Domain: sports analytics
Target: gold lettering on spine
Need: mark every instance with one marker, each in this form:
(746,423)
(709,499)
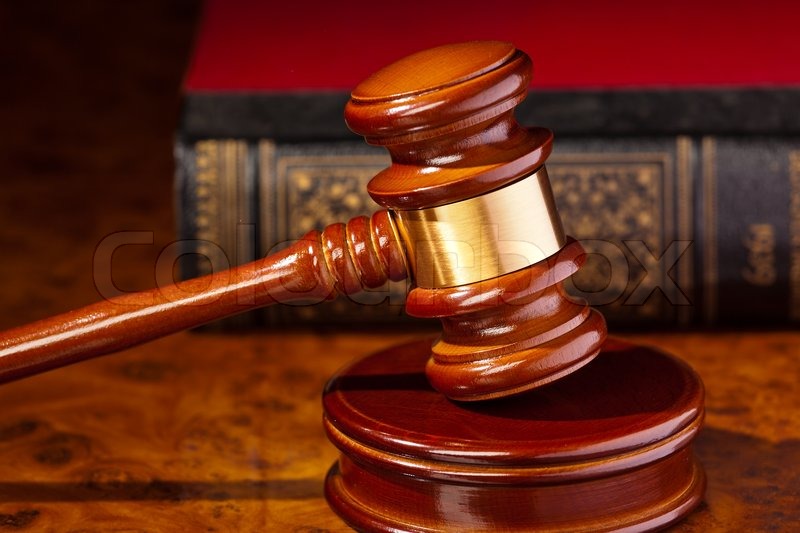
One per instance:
(794,234)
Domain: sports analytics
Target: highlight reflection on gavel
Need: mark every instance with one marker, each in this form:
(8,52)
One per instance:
(470,215)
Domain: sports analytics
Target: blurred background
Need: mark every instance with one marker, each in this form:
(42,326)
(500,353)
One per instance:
(92,94)
(89,104)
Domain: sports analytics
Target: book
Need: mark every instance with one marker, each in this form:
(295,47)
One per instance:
(676,166)
(686,224)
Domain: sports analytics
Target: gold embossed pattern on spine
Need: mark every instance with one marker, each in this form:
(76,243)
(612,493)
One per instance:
(484,237)
(207,194)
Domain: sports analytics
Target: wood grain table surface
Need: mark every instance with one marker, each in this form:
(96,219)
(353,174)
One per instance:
(222,431)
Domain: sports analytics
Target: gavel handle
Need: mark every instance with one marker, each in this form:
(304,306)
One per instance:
(341,259)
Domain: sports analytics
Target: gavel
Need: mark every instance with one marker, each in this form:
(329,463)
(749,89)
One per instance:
(521,416)
(470,215)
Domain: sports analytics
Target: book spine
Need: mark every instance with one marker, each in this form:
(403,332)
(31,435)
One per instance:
(681,230)
(217,210)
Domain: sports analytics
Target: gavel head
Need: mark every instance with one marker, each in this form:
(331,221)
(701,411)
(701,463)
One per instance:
(472,203)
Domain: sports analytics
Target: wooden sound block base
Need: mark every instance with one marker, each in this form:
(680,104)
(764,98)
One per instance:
(606,448)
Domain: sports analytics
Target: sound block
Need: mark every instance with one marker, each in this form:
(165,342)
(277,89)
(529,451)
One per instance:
(608,447)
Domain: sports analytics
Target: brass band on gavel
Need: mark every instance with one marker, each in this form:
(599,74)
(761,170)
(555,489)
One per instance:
(497,233)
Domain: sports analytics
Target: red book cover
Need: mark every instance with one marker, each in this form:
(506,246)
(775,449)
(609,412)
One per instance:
(252,45)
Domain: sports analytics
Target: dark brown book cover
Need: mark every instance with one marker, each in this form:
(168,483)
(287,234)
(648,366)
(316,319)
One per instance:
(683,228)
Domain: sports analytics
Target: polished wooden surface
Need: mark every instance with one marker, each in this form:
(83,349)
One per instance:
(342,259)
(199,431)
(509,334)
(446,116)
(606,448)
(391,408)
